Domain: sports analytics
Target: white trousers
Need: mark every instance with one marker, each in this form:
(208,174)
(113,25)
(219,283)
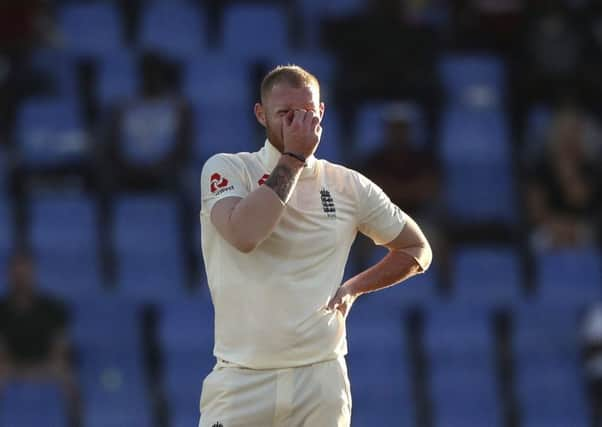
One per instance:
(309,396)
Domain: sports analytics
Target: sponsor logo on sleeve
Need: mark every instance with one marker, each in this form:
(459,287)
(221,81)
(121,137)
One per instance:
(263,179)
(219,184)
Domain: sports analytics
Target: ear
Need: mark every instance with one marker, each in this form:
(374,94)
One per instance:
(322,109)
(260,114)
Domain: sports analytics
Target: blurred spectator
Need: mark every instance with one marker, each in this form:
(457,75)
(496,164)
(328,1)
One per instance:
(150,136)
(563,189)
(24,24)
(34,344)
(490,24)
(592,356)
(410,176)
(380,56)
(551,53)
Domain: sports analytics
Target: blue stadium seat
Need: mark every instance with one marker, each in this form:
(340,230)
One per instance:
(149,131)
(255,32)
(149,249)
(489,276)
(114,390)
(187,324)
(377,364)
(186,342)
(551,392)
(217,132)
(545,331)
(33,404)
(455,335)
(117,79)
(91,29)
(107,333)
(105,323)
(218,81)
(465,397)
(477,167)
(58,69)
(176,29)
(570,276)
(473,81)
(64,239)
(370,125)
(50,132)
(548,372)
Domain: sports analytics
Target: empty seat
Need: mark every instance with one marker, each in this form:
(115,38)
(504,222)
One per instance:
(255,32)
(473,81)
(50,133)
(107,333)
(33,404)
(465,396)
(570,276)
(478,176)
(149,131)
(176,29)
(486,275)
(377,364)
(218,82)
(117,79)
(148,245)
(217,132)
(548,382)
(65,243)
(91,29)
(186,342)
(455,335)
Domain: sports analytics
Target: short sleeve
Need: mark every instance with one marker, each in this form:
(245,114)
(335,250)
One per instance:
(378,217)
(221,178)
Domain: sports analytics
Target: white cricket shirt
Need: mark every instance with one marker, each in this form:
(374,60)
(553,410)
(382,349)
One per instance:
(270,303)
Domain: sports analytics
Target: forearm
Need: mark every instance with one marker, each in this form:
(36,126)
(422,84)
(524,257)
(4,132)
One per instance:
(395,267)
(252,219)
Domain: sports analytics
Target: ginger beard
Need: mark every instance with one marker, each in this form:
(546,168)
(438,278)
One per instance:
(276,104)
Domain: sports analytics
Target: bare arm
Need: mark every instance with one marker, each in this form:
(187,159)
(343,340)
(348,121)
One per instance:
(245,223)
(409,254)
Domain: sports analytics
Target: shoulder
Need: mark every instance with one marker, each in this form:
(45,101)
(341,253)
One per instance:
(343,172)
(235,161)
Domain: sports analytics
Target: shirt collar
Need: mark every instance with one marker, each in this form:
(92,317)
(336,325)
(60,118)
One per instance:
(269,156)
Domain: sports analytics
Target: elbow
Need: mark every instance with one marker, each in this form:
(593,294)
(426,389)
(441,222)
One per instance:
(426,257)
(245,246)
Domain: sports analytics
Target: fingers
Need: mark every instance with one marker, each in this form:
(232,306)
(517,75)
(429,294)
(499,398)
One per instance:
(290,115)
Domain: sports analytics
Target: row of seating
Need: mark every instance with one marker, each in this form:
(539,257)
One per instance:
(182,29)
(463,383)
(148,244)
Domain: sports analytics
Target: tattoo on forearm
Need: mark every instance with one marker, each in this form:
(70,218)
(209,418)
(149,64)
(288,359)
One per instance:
(281,180)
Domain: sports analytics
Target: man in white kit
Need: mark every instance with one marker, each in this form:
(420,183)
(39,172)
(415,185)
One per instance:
(277,226)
